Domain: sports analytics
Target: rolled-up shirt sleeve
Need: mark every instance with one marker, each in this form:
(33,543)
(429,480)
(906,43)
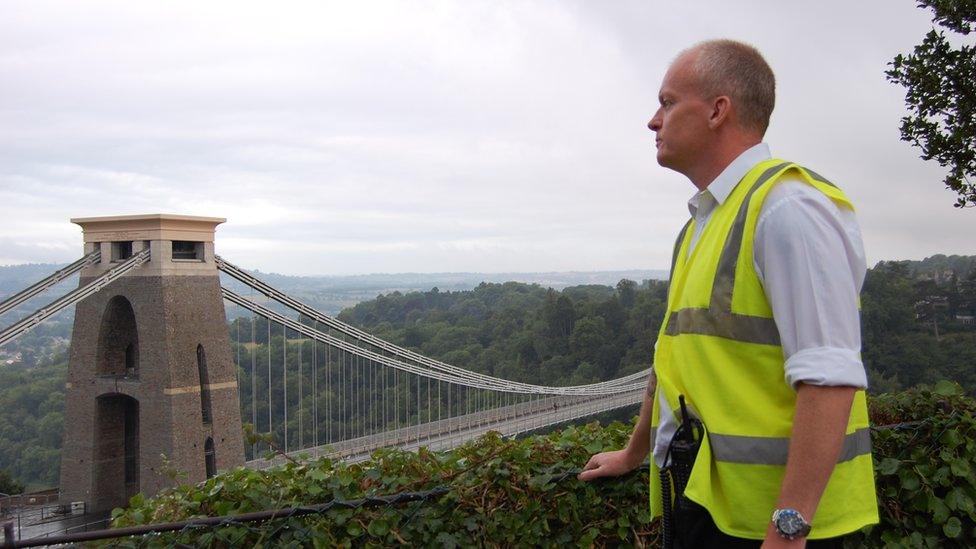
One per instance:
(810,258)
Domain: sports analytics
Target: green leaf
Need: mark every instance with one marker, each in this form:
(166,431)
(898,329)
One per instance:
(217,487)
(447,540)
(952,527)
(951,439)
(888,466)
(137,500)
(947,388)
(594,447)
(378,528)
(939,510)
(317,474)
(960,467)
(910,483)
(353,529)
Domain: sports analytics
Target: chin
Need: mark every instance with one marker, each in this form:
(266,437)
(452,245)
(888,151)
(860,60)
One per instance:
(663,160)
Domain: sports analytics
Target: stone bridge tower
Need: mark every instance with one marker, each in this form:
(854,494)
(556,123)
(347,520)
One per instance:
(150,370)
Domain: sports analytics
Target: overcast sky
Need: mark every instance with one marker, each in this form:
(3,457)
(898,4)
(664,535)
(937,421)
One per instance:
(359,137)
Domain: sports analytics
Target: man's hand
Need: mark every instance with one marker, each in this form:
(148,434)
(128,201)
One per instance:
(614,464)
(609,464)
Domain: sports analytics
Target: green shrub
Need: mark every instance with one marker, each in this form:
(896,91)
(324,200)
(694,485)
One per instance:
(511,492)
(924,452)
(503,493)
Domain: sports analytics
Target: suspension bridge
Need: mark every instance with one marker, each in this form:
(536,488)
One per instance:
(311,384)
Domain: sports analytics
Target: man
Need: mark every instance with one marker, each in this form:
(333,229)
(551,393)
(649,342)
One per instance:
(761,338)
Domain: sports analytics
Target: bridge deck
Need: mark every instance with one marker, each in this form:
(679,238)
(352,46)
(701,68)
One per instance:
(449,433)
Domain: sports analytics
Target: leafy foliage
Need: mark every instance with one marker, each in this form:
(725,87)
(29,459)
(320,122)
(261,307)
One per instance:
(940,90)
(31,419)
(510,492)
(525,332)
(924,465)
(911,323)
(502,493)
(8,485)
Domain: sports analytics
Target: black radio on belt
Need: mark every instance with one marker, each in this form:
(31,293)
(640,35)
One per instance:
(684,448)
(678,462)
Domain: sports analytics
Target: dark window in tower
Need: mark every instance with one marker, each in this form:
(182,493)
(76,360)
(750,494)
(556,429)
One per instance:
(187,251)
(121,250)
(204,384)
(130,360)
(210,457)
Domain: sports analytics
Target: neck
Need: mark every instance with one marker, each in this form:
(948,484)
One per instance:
(705,171)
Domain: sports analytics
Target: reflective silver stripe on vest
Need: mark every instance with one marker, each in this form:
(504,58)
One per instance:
(719,320)
(677,249)
(773,451)
(751,329)
(818,177)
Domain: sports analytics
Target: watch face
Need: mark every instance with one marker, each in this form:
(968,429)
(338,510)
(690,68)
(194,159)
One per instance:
(791,524)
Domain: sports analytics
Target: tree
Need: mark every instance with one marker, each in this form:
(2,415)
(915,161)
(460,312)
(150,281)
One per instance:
(627,291)
(940,92)
(8,485)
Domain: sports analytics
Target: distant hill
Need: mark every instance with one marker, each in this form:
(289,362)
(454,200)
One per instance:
(456,281)
(941,266)
(331,294)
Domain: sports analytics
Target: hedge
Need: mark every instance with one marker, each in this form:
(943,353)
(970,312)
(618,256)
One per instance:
(523,492)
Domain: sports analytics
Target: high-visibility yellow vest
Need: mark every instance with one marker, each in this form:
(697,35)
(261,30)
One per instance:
(719,347)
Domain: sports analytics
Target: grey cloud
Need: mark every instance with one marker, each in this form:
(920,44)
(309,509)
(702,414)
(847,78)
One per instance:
(475,136)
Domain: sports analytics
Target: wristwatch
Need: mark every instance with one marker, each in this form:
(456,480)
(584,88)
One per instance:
(790,524)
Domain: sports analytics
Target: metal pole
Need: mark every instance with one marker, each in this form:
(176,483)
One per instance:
(284,383)
(315,388)
(254,386)
(301,390)
(270,428)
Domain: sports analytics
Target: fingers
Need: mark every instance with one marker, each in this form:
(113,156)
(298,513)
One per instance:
(592,469)
(589,475)
(593,462)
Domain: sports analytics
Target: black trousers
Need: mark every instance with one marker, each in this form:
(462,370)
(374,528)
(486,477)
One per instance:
(695,529)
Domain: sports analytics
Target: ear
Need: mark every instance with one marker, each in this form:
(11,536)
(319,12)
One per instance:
(721,111)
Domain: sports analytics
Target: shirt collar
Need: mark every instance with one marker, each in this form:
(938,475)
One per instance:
(721,187)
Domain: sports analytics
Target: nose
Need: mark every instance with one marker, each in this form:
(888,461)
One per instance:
(654,124)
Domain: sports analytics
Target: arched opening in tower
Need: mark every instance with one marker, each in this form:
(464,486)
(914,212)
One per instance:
(116,452)
(118,340)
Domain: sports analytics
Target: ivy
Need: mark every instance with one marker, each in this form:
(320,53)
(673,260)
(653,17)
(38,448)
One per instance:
(523,492)
(503,493)
(924,447)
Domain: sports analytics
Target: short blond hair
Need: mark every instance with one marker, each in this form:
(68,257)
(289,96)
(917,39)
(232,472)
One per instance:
(737,70)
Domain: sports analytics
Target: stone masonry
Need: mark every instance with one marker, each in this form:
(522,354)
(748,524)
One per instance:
(134,388)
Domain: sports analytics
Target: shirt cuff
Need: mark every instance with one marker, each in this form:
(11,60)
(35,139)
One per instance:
(831,366)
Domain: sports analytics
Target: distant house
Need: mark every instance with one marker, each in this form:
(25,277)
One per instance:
(966,320)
